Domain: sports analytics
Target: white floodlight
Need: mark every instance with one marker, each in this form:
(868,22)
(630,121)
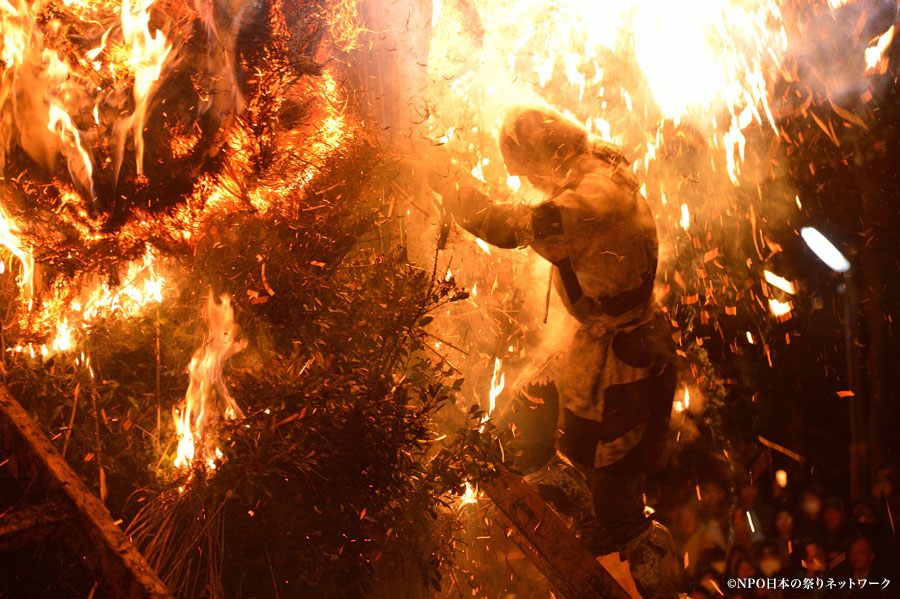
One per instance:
(825,250)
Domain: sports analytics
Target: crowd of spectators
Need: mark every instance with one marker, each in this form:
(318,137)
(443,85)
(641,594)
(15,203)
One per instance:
(803,542)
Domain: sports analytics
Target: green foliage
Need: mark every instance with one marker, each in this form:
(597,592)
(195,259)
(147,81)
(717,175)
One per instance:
(337,467)
(336,479)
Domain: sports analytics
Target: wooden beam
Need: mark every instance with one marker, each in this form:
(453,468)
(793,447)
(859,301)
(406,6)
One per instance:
(23,526)
(543,536)
(119,566)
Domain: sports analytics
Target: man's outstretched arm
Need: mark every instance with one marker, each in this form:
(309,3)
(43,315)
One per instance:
(503,224)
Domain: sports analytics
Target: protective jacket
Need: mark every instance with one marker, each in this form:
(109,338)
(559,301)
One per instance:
(615,378)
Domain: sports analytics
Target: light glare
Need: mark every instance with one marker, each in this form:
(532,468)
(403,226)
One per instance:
(825,250)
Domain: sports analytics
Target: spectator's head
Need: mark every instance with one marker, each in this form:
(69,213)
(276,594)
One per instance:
(769,560)
(784,524)
(713,495)
(884,484)
(749,494)
(746,569)
(863,512)
(712,558)
(735,555)
(861,555)
(811,504)
(780,490)
(813,556)
(833,516)
(687,521)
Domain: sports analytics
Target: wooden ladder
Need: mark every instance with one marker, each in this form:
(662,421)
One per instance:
(32,459)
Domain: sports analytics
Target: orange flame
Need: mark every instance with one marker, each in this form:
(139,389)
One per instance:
(37,90)
(140,286)
(875,60)
(207,392)
(698,59)
(10,239)
(147,58)
(497,385)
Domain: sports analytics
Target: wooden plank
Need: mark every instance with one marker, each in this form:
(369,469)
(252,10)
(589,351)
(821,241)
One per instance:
(543,536)
(118,564)
(28,525)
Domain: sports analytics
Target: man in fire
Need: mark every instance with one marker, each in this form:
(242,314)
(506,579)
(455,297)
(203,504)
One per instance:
(612,385)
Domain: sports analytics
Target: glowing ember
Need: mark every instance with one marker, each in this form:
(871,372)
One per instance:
(779,282)
(497,385)
(685,217)
(470,496)
(781,478)
(207,393)
(779,308)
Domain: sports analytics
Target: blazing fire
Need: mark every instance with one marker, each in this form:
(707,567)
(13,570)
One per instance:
(90,109)
(54,100)
(207,395)
(875,60)
(498,383)
(707,62)
(693,85)
(663,80)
